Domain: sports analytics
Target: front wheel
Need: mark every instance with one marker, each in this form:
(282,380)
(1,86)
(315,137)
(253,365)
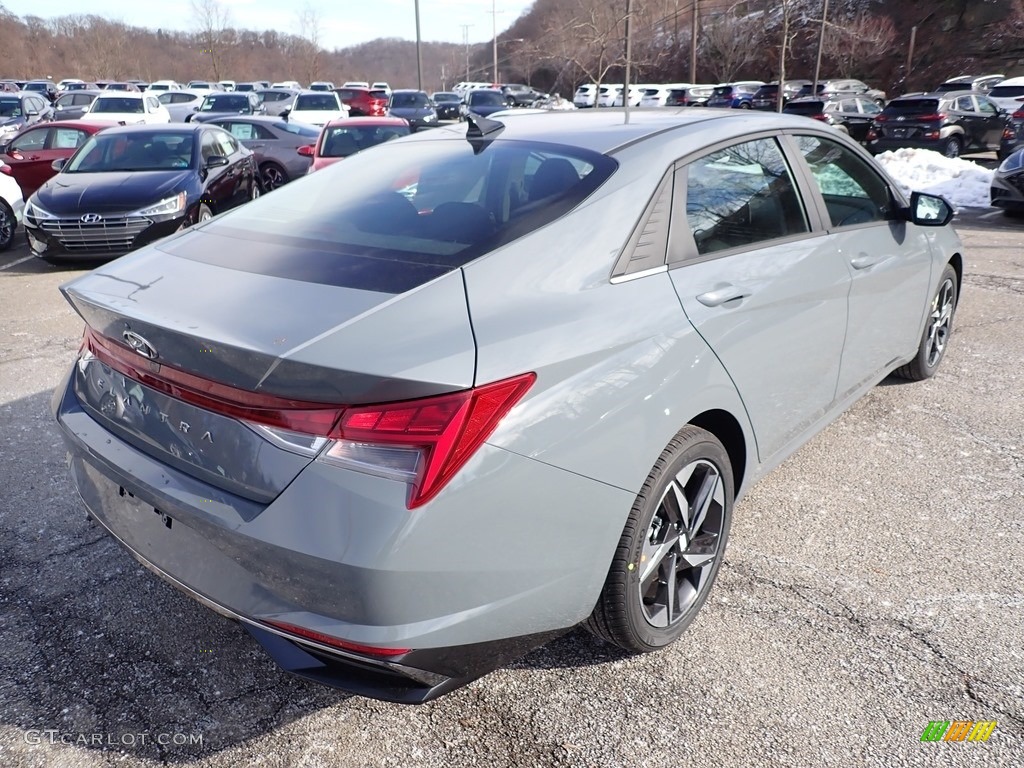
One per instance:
(671,548)
(272,176)
(951,147)
(937,330)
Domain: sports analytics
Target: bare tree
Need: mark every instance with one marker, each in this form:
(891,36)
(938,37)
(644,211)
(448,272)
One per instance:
(589,38)
(854,44)
(310,24)
(214,21)
(729,42)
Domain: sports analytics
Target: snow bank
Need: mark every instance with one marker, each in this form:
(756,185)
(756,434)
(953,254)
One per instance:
(963,183)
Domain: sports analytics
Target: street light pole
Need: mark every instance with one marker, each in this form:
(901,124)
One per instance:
(419,53)
(494,32)
(693,41)
(821,45)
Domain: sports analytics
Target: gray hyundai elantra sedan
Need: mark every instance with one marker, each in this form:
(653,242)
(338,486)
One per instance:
(512,381)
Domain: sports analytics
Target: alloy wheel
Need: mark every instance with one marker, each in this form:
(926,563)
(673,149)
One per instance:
(939,322)
(682,543)
(272,177)
(7,226)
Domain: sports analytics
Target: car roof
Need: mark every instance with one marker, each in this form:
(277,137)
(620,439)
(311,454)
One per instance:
(606,130)
(370,121)
(90,126)
(407,90)
(1011,81)
(121,94)
(182,128)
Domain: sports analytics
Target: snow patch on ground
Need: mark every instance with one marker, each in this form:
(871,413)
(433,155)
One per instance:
(963,183)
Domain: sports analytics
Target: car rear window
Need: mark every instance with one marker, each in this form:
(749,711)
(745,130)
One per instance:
(1007,91)
(804,107)
(419,210)
(118,104)
(316,101)
(725,90)
(912,107)
(342,141)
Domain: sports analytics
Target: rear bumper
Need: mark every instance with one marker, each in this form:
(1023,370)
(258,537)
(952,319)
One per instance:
(490,569)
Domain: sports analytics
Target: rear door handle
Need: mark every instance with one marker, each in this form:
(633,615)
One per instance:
(722,294)
(864,261)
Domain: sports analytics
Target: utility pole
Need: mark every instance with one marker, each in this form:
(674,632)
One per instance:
(419,53)
(693,40)
(910,56)
(821,45)
(494,42)
(465,42)
(629,52)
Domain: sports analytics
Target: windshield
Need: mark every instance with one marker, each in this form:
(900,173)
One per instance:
(804,107)
(409,100)
(10,108)
(107,153)
(225,104)
(912,107)
(36,87)
(427,206)
(298,129)
(317,102)
(343,141)
(486,98)
(117,104)
(446,97)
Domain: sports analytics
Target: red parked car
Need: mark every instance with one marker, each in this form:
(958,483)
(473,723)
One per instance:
(348,135)
(31,151)
(364,102)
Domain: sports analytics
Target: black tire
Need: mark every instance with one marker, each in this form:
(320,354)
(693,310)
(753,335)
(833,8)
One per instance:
(952,147)
(745,105)
(937,330)
(204,214)
(8,225)
(272,176)
(630,614)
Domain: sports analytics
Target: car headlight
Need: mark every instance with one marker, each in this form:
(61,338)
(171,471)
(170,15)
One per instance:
(1013,163)
(33,211)
(8,129)
(430,118)
(170,205)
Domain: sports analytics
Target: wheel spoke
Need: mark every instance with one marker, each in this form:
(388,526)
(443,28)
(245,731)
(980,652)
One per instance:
(706,495)
(655,555)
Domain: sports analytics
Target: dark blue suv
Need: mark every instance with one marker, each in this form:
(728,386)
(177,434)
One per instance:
(735,95)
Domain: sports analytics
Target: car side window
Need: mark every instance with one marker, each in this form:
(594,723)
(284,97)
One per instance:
(854,193)
(153,104)
(741,196)
(985,106)
(964,104)
(68,138)
(30,141)
(226,144)
(869,107)
(209,146)
(241,131)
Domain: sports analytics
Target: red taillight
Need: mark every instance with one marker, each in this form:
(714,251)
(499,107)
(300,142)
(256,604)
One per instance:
(334,642)
(881,119)
(1019,114)
(445,429)
(448,429)
(6,170)
(1008,133)
(823,117)
(931,118)
(872,135)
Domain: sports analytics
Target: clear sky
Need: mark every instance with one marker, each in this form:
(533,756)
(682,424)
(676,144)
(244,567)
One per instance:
(344,22)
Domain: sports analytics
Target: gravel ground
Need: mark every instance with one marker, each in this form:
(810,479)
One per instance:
(872,584)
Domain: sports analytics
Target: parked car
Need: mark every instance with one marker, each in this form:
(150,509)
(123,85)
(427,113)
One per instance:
(1007,187)
(71,105)
(447,104)
(363,101)
(839,88)
(164,85)
(484,102)
(585,96)
(277,100)
(81,87)
(767,96)
(413,106)
(734,95)
(321,85)
(693,96)
(45,87)
(983,83)
(606,94)
(417,368)
(274,142)
(123,86)
(63,84)
(250,87)
(316,108)
(1013,134)
(131,185)
(343,138)
(950,123)
(11,206)
(852,115)
(20,109)
(1008,95)
(128,108)
(9,86)
(381,85)
(181,105)
(356,84)
(29,155)
(202,85)
(636,95)
(226,85)
(656,95)
(519,95)
(288,85)
(227,103)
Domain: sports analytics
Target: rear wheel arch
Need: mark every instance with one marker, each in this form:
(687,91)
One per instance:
(957,262)
(724,426)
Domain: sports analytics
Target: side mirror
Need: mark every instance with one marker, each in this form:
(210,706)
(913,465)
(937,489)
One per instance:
(929,210)
(59,163)
(285,112)
(307,151)
(31,112)
(216,161)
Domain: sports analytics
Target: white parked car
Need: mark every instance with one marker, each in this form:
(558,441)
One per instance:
(227,85)
(63,84)
(288,84)
(321,85)
(181,104)
(636,94)
(11,206)
(161,86)
(584,96)
(381,86)
(128,108)
(655,95)
(317,108)
(356,84)
(1009,94)
(606,95)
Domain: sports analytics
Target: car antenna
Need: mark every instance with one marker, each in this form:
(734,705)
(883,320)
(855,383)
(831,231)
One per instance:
(481,130)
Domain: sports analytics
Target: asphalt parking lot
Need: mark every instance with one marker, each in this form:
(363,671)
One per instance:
(872,584)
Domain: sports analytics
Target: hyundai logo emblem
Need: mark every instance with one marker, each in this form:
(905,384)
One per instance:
(91,218)
(139,344)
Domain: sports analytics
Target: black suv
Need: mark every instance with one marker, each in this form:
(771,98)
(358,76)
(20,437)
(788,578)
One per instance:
(767,96)
(950,123)
(852,115)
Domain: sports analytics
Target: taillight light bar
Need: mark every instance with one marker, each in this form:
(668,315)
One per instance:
(439,434)
(334,642)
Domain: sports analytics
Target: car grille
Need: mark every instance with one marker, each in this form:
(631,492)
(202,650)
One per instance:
(111,233)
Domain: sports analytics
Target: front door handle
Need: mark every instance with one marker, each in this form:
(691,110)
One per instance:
(722,294)
(864,261)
